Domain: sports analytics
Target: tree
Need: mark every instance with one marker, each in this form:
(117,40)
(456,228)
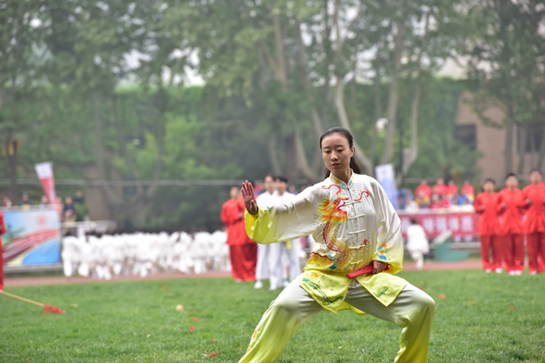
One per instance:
(506,52)
(20,46)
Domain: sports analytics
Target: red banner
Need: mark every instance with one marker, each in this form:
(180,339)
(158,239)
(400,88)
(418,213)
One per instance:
(461,224)
(45,173)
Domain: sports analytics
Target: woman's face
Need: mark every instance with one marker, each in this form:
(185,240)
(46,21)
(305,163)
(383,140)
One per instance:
(336,153)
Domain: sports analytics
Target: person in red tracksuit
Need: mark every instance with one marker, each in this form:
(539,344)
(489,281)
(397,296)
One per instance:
(511,209)
(486,205)
(242,250)
(534,225)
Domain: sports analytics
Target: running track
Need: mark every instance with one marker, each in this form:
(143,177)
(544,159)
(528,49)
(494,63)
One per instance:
(31,281)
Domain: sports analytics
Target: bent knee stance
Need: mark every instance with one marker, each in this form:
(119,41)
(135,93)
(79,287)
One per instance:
(285,309)
(420,306)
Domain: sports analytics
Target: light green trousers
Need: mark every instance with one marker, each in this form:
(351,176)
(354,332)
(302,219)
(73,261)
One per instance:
(412,311)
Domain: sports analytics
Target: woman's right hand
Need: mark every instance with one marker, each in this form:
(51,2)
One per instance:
(248,196)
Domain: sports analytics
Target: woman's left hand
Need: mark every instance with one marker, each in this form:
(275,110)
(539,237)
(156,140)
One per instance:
(378,267)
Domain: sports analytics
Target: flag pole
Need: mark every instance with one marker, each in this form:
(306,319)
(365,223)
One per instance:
(46,308)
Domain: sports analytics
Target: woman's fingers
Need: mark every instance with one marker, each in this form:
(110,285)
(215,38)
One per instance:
(378,267)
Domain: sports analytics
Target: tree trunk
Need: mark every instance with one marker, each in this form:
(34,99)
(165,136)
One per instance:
(139,212)
(98,149)
(541,151)
(522,154)
(363,161)
(12,166)
(413,153)
(393,97)
(303,165)
(291,158)
(378,111)
(509,128)
(273,155)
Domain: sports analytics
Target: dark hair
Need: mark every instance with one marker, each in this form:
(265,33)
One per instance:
(344,132)
(281,178)
(536,170)
(510,175)
(413,221)
(489,180)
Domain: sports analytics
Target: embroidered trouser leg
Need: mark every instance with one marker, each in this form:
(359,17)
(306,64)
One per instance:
(281,320)
(412,311)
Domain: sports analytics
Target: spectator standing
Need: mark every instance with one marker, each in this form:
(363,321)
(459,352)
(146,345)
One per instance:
(468,191)
(242,250)
(510,206)
(280,249)
(44,202)
(68,205)
(6,202)
(486,205)
(26,202)
(452,189)
(534,224)
(417,243)
(440,187)
(423,194)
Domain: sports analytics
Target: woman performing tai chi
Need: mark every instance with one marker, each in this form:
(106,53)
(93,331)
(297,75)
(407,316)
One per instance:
(352,265)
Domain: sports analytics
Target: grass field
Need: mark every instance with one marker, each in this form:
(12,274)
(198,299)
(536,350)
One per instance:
(482,318)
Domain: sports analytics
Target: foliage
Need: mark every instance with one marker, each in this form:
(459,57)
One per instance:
(482,318)
(98,87)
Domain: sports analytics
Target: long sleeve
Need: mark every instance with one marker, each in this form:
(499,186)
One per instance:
(284,221)
(478,205)
(2,225)
(390,242)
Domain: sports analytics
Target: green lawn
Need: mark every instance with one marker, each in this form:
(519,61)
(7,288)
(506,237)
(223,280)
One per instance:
(483,318)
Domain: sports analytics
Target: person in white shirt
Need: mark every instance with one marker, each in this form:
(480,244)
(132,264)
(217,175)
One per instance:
(263,251)
(279,250)
(417,243)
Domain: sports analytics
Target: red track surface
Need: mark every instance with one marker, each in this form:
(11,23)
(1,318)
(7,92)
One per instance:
(30,281)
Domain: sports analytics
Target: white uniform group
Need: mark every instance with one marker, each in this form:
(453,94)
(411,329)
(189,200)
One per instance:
(279,262)
(143,254)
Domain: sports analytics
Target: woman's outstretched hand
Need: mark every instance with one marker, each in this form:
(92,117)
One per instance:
(248,196)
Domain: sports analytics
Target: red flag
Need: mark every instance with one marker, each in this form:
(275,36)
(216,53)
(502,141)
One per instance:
(45,174)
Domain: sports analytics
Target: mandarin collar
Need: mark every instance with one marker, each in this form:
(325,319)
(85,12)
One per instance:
(341,183)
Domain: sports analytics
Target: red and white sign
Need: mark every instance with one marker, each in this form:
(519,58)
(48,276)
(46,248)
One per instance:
(45,174)
(461,224)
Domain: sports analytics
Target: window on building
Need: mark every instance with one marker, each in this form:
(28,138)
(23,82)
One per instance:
(534,137)
(467,134)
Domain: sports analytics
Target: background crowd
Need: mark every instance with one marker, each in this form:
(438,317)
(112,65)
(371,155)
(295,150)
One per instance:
(438,196)
(71,209)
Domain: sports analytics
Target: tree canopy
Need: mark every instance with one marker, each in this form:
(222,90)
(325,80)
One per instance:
(102,88)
